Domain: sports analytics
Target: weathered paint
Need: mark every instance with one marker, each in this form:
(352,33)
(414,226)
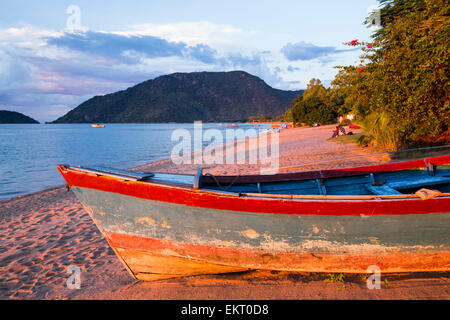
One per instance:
(218,238)
(146,265)
(162,228)
(281,232)
(150,256)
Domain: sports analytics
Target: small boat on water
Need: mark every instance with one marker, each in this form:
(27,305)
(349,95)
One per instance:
(395,216)
(97,125)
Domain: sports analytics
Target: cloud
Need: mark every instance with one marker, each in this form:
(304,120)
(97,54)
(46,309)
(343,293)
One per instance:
(25,36)
(236,59)
(13,72)
(292,69)
(192,32)
(108,61)
(121,48)
(82,69)
(42,107)
(130,49)
(307,51)
(202,53)
(44,73)
(46,88)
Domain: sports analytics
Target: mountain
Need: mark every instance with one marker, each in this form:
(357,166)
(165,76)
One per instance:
(14,117)
(186,97)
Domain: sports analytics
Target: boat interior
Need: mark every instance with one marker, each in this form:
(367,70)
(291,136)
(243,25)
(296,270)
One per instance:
(350,183)
(326,182)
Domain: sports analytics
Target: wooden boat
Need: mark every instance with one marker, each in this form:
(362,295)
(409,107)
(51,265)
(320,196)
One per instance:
(97,125)
(395,216)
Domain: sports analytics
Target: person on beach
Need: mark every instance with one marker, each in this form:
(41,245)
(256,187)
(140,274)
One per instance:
(335,132)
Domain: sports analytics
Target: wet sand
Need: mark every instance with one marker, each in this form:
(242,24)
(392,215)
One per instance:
(44,233)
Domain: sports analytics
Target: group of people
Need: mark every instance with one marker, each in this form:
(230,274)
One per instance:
(339,131)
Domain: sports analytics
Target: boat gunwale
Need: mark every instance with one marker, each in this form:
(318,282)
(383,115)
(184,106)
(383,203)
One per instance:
(265,196)
(405,165)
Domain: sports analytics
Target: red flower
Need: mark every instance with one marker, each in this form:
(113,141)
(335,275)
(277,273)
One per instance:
(353,42)
(360,70)
(370,45)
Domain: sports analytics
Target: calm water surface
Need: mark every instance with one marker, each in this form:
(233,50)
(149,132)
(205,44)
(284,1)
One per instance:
(29,153)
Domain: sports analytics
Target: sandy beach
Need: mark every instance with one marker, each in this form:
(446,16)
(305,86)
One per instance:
(44,233)
(300,149)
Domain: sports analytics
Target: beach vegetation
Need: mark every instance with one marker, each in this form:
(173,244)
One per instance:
(386,283)
(365,140)
(348,138)
(400,91)
(335,277)
(312,111)
(314,106)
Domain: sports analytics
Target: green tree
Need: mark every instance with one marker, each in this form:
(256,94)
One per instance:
(350,91)
(316,89)
(317,104)
(402,94)
(312,110)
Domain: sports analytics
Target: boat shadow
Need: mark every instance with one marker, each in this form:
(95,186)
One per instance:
(269,277)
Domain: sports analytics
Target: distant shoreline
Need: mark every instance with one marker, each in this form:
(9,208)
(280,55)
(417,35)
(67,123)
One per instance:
(288,138)
(51,178)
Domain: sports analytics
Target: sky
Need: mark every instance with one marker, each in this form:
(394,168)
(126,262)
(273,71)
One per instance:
(56,54)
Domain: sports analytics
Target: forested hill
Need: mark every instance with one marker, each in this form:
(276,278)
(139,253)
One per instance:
(14,117)
(186,97)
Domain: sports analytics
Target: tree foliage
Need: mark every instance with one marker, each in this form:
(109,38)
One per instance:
(314,106)
(402,94)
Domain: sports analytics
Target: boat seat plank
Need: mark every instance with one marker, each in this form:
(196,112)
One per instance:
(139,176)
(381,190)
(132,175)
(416,182)
(174,178)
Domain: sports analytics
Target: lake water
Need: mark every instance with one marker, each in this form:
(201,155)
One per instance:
(29,153)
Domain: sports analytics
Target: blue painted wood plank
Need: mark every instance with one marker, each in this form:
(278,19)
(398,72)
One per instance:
(381,190)
(176,178)
(131,175)
(416,182)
